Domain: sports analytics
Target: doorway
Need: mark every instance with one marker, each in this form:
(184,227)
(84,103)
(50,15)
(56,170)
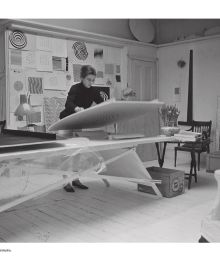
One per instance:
(142,78)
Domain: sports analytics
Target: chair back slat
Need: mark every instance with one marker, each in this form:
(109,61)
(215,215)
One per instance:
(200,126)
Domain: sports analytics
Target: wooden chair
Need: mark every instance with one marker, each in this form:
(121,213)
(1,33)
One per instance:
(203,127)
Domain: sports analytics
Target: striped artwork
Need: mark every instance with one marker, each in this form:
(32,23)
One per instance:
(35,85)
(80,50)
(18,39)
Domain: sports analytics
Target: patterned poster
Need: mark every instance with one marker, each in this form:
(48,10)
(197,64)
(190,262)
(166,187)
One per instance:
(80,50)
(52,108)
(18,39)
(35,85)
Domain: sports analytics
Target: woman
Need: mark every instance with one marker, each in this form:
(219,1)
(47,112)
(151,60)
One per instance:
(80,97)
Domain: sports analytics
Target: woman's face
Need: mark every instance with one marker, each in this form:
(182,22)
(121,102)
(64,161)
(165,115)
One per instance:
(88,81)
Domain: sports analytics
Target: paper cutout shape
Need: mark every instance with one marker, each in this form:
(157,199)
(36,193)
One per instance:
(80,50)
(17,39)
(76,72)
(109,69)
(44,61)
(35,85)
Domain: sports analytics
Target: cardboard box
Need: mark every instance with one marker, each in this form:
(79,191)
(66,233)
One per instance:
(173,182)
(213,161)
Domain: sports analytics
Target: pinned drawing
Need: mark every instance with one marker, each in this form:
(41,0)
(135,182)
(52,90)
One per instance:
(59,63)
(28,59)
(118,78)
(55,81)
(109,69)
(59,47)
(18,85)
(44,43)
(98,53)
(44,61)
(118,69)
(15,58)
(35,85)
(80,50)
(18,39)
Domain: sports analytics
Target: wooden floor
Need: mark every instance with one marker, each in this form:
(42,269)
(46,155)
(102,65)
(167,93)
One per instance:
(118,213)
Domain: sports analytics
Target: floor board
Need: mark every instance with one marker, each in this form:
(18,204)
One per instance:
(118,213)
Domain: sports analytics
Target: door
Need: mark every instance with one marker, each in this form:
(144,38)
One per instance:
(142,79)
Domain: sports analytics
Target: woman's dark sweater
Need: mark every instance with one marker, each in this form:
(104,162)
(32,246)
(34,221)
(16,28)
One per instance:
(80,96)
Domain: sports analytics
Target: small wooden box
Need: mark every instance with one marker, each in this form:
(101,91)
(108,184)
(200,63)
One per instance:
(173,182)
(213,161)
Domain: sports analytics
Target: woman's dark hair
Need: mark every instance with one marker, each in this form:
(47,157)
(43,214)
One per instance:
(87,70)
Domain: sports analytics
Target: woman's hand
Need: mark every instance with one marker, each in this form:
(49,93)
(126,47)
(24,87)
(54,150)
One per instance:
(78,109)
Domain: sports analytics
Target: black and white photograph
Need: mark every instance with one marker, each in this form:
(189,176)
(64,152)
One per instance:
(109,134)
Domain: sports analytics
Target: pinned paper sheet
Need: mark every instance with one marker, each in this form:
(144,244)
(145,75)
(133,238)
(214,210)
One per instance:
(29,59)
(118,69)
(98,53)
(59,63)
(35,85)
(44,43)
(59,47)
(44,61)
(76,72)
(55,81)
(36,99)
(15,58)
(31,42)
(118,78)
(17,83)
(99,66)
(109,69)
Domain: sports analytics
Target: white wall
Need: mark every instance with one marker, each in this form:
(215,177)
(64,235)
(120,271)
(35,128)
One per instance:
(206,77)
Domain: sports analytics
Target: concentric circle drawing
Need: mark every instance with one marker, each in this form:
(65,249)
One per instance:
(18,39)
(80,50)
(18,85)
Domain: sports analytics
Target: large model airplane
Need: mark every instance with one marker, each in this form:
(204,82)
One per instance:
(32,169)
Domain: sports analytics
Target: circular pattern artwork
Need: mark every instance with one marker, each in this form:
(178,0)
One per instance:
(18,86)
(18,39)
(80,50)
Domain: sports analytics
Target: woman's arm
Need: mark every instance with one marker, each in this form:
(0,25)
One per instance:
(70,102)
